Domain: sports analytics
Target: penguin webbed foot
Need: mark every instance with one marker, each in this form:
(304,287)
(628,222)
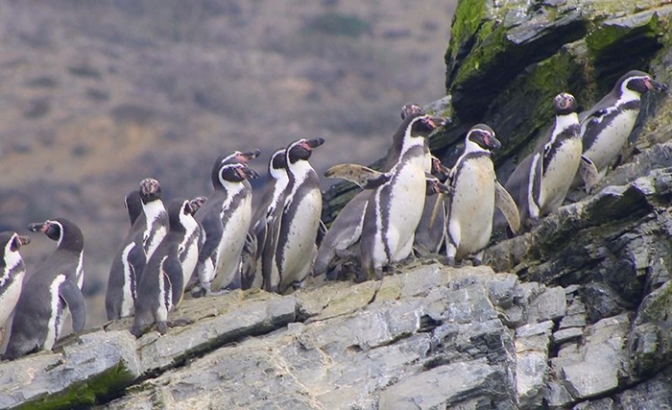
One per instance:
(180,322)
(162,327)
(219,292)
(200,290)
(450,261)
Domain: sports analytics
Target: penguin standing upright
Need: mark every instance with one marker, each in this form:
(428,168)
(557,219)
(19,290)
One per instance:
(52,292)
(606,126)
(342,239)
(12,272)
(395,207)
(541,181)
(272,200)
(476,192)
(148,229)
(292,229)
(225,220)
(162,284)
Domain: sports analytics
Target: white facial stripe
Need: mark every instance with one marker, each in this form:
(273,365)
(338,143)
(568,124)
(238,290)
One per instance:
(12,258)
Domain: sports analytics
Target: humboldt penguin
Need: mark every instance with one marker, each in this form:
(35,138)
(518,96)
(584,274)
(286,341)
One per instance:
(342,239)
(148,229)
(163,281)
(476,192)
(292,229)
(541,181)
(225,220)
(51,293)
(605,128)
(271,202)
(394,209)
(12,272)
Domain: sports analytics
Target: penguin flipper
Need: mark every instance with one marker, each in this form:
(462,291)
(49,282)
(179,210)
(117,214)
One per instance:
(269,271)
(72,296)
(589,173)
(137,260)
(321,233)
(173,270)
(213,229)
(365,177)
(507,205)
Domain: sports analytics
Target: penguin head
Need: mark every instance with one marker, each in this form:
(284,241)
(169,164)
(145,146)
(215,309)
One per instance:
(481,137)
(133,204)
(12,241)
(238,157)
(301,149)
(197,203)
(150,190)
(439,170)
(639,82)
(178,211)
(277,165)
(564,104)
(65,232)
(235,173)
(423,125)
(409,110)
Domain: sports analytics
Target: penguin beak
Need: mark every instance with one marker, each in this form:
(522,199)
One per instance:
(24,240)
(38,227)
(436,187)
(197,203)
(314,143)
(438,169)
(248,173)
(656,86)
(247,156)
(492,142)
(437,122)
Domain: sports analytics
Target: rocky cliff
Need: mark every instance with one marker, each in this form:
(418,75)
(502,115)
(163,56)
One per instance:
(574,314)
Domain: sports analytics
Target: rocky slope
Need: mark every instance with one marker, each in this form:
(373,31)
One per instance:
(574,314)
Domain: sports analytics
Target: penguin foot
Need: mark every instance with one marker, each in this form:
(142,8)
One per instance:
(183,321)
(219,292)
(450,261)
(162,327)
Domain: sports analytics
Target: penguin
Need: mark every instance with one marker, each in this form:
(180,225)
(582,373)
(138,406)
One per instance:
(342,239)
(605,127)
(541,181)
(476,192)
(51,293)
(12,272)
(394,209)
(292,229)
(148,229)
(225,219)
(430,235)
(271,200)
(163,281)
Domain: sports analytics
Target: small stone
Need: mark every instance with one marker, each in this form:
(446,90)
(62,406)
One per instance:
(550,305)
(535,329)
(557,396)
(578,320)
(565,335)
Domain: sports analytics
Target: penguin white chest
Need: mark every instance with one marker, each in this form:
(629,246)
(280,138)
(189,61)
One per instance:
(472,206)
(405,203)
(233,240)
(558,176)
(300,243)
(611,139)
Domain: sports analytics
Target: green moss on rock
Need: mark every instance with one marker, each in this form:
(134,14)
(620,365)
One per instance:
(86,393)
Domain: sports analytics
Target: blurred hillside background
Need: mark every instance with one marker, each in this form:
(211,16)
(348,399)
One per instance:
(96,95)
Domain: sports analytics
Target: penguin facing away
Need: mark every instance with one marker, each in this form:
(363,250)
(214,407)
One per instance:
(51,293)
(292,229)
(395,207)
(541,181)
(12,272)
(605,128)
(272,200)
(342,239)
(225,220)
(148,227)
(161,287)
(476,192)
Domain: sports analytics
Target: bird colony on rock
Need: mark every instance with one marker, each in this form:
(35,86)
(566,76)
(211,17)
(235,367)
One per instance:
(414,204)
